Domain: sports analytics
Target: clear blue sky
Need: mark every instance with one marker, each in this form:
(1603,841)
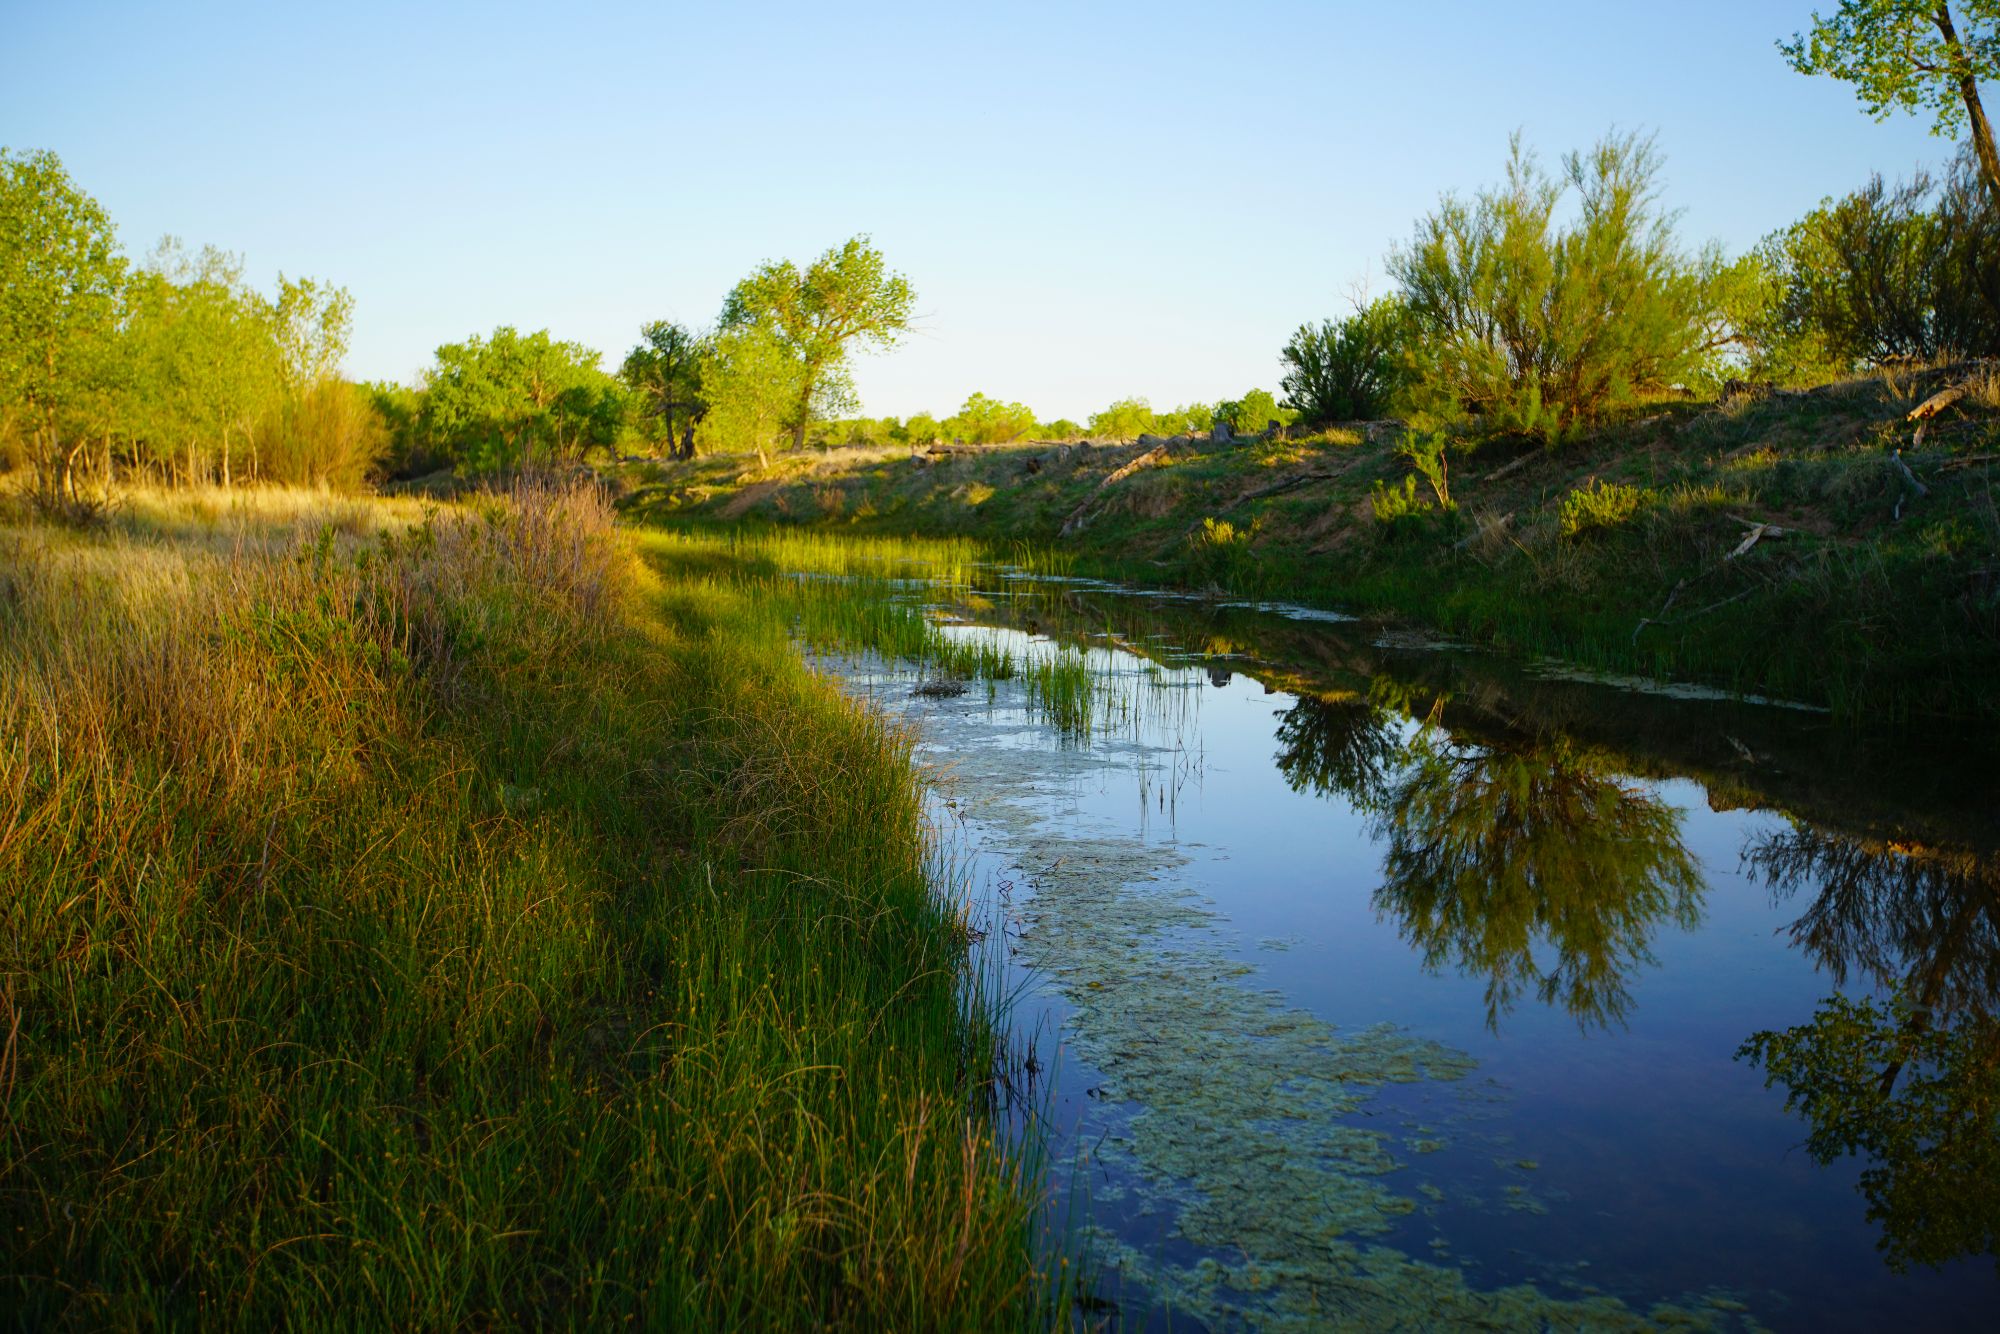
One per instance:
(1091,200)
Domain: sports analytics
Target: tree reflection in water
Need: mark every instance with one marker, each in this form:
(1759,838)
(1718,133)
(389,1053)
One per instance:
(1911,1082)
(1526,863)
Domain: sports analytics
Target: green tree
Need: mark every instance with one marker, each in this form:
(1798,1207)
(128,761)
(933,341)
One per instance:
(1346,370)
(989,421)
(1910,55)
(1892,272)
(751,382)
(1126,419)
(665,369)
(846,299)
(61,278)
(515,400)
(206,364)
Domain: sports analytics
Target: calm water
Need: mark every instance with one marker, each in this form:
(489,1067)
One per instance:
(1380,983)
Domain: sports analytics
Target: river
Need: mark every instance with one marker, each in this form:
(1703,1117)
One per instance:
(1375,982)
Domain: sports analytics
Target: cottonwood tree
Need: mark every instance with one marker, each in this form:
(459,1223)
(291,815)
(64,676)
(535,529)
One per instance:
(1913,55)
(752,385)
(517,399)
(204,361)
(818,316)
(665,369)
(989,421)
(61,278)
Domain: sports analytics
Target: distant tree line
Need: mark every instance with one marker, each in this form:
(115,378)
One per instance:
(1536,306)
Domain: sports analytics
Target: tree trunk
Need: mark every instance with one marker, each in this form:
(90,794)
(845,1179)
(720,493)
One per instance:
(1975,110)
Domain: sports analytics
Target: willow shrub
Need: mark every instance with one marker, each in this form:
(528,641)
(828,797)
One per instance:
(1894,273)
(1348,370)
(1542,304)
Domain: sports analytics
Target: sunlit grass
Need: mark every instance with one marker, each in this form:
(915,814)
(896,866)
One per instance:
(434,918)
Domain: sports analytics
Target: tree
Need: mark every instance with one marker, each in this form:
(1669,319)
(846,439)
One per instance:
(752,383)
(311,321)
(989,421)
(847,298)
(61,278)
(666,370)
(1126,419)
(1252,413)
(514,400)
(1346,370)
(1909,55)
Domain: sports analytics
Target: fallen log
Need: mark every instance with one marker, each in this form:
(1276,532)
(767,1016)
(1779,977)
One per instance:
(1910,478)
(1289,484)
(1939,401)
(1079,516)
(1758,532)
(1509,469)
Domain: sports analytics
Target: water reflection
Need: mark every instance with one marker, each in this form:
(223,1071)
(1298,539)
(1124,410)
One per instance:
(1526,862)
(1912,1082)
(1339,744)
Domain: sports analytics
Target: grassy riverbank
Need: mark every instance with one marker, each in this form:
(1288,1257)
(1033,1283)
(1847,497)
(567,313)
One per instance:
(443,919)
(1863,593)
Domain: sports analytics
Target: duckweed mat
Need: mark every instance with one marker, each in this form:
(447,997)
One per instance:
(1222,1117)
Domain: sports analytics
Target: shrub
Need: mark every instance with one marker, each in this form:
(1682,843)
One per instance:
(1542,327)
(1347,370)
(1601,505)
(1909,272)
(328,434)
(1391,503)
(1220,551)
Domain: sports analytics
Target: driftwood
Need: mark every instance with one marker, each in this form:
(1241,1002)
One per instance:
(1509,469)
(1939,401)
(1289,484)
(1080,515)
(1914,485)
(1758,532)
(1693,615)
(1485,529)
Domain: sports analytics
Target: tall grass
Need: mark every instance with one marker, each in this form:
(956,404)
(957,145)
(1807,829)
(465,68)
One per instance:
(440,920)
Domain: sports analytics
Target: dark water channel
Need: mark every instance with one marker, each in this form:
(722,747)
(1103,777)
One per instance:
(1383,984)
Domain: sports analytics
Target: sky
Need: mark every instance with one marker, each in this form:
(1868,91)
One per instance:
(1093,201)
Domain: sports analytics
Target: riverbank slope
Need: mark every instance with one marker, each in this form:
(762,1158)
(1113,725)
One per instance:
(1804,545)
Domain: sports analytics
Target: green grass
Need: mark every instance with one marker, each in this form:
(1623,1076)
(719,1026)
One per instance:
(455,920)
(1610,552)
